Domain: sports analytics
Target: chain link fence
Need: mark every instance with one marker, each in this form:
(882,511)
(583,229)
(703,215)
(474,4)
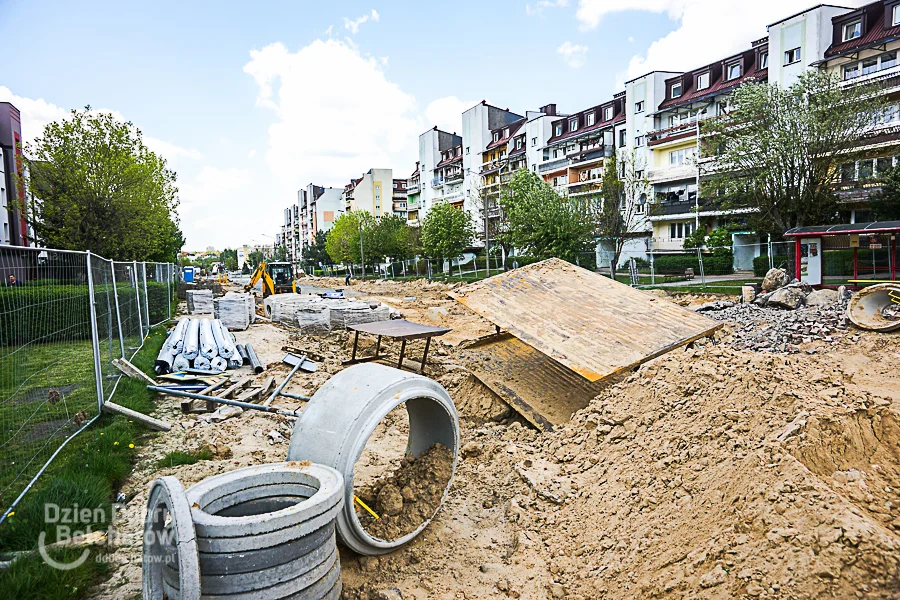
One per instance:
(64,317)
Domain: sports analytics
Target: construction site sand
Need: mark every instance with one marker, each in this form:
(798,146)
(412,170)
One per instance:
(708,473)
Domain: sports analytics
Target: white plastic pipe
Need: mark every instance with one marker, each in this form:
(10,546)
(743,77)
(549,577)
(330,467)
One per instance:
(191,347)
(207,341)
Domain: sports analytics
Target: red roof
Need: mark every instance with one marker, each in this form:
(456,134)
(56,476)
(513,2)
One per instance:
(513,128)
(448,161)
(618,117)
(874,22)
(720,85)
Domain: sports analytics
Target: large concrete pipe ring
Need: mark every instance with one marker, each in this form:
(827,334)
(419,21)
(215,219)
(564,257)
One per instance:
(266,532)
(875,309)
(343,413)
(169,518)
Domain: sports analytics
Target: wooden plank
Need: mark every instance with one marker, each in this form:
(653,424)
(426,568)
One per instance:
(132,371)
(250,395)
(241,383)
(267,384)
(591,324)
(540,389)
(149,422)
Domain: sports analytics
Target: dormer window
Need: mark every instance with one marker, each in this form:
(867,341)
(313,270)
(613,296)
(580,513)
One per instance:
(853,30)
(518,143)
(496,136)
(676,90)
(895,15)
(702,81)
(732,70)
(589,119)
(573,124)
(764,60)
(639,106)
(506,133)
(558,130)
(608,113)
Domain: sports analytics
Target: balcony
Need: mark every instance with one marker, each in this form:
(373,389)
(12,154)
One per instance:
(553,165)
(856,191)
(885,78)
(437,182)
(670,134)
(590,155)
(666,244)
(454,178)
(413,188)
(672,173)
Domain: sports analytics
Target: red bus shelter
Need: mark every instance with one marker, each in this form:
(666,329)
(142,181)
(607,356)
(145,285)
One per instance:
(853,254)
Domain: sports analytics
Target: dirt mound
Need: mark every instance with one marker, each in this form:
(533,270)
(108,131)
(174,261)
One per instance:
(408,497)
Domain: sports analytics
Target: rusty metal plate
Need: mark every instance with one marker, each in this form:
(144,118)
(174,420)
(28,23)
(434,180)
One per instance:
(591,324)
(540,389)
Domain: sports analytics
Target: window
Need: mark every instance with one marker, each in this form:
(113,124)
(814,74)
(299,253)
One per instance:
(496,136)
(676,90)
(678,157)
(622,137)
(506,133)
(639,106)
(889,59)
(679,231)
(518,143)
(702,81)
(589,120)
(792,56)
(732,70)
(895,15)
(558,130)
(866,169)
(870,65)
(573,124)
(608,113)
(467,149)
(639,141)
(851,71)
(853,30)
(764,60)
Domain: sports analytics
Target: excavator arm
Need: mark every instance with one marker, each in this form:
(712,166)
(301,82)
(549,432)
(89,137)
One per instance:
(268,286)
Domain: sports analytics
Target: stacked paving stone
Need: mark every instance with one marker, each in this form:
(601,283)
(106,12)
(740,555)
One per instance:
(200,302)
(235,311)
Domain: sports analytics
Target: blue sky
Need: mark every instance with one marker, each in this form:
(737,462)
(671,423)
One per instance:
(250,101)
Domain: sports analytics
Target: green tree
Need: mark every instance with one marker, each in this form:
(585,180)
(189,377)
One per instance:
(778,148)
(543,223)
(885,203)
(316,253)
(343,241)
(393,238)
(446,231)
(229,257)
(97,187)
(622,202)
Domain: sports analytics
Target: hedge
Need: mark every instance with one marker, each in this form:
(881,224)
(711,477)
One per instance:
(712,265)
(43,313)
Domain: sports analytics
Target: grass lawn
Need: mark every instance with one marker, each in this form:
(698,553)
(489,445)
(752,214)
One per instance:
(87,472)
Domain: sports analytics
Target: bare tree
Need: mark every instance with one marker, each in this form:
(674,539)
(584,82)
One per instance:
(623,203)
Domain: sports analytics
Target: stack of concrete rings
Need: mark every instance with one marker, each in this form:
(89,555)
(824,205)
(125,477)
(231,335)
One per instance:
(341,416)
(264,532)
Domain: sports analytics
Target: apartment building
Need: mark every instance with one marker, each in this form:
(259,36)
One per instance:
(14,227)
(372,193)
(863,50)
(290,236)
(413,197)
(399,198)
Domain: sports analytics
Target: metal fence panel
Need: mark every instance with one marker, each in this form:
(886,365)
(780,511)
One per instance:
(64,316)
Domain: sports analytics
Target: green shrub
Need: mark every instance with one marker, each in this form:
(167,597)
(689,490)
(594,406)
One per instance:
(761,263)
(837,262)
(712,265)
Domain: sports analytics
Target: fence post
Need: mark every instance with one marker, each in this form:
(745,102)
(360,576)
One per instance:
(771,258)
(137,295)
(146,298)
(95,335)
(169,270)
(702,274)
(112,268)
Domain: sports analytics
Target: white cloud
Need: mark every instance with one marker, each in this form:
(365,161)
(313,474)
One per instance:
(538,7)
(356,118)
(329,30)
(446,113)
(36,114)
(707,30)
(353,24)
(575,55)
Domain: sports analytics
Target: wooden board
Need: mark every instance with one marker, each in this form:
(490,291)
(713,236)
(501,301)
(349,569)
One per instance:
(540,389)
(593,325)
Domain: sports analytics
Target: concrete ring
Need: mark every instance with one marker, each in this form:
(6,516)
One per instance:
(167,498)
(343,413)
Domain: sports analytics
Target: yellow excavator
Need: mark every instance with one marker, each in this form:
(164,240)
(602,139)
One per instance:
(277,278)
